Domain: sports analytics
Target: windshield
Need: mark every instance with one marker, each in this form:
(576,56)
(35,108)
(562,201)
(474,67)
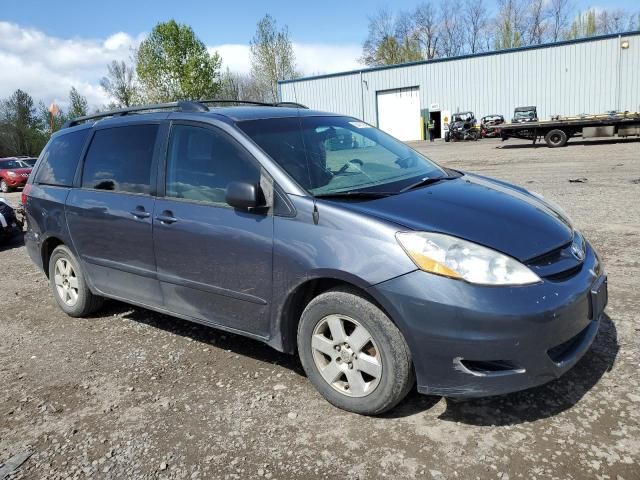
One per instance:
(462,117)
(12,164)
(525,114)
(339,154)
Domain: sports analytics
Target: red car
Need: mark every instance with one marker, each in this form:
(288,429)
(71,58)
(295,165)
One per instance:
(13,174)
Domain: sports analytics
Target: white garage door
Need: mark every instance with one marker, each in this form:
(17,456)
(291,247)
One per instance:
(399,113)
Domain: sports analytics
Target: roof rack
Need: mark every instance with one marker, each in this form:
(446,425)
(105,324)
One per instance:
(182,106)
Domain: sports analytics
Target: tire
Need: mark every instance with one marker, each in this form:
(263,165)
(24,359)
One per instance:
(556,138)
(372,371)
(4,186)
(447,137)
(83,302)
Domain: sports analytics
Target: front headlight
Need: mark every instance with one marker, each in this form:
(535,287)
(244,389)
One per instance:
(455,258)
(12,174)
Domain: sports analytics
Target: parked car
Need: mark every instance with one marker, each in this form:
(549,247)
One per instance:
(13,174)
(375,264)
(9,224)
(30,161)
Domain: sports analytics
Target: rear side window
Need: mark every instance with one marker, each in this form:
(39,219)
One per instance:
(60,159)
(119,159)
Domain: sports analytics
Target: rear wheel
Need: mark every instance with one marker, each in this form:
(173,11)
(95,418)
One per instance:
(556,138)
(353,354)
(69,286)
(4,186)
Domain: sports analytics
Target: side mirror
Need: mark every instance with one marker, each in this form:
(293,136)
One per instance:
(244,195)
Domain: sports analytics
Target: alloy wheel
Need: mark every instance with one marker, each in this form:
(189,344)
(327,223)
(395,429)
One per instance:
(346,355)
(66,282)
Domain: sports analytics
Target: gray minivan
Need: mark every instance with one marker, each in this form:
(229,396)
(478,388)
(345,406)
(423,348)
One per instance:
(317,234)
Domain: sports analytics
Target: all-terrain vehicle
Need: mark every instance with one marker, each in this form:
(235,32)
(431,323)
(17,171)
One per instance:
(463,126)
(488,125)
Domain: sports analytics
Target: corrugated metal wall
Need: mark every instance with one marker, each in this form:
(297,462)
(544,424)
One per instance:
(581,77)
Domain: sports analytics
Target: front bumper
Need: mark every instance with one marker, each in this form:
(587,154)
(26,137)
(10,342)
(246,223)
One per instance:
(473,341)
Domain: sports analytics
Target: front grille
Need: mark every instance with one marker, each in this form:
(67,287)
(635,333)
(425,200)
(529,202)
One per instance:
(560,263)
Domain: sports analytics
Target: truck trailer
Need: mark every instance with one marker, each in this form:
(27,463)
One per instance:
(557,131)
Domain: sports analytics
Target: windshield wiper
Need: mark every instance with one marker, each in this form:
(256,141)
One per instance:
(354,194)
(426,181)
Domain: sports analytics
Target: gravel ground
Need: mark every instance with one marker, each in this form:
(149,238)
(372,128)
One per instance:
(134,394)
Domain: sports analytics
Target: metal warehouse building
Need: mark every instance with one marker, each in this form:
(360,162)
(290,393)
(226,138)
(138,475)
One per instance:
(593,75)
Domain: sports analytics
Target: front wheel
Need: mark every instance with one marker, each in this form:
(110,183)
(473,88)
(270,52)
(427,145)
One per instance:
(353,354)
(69,286)
(4,186)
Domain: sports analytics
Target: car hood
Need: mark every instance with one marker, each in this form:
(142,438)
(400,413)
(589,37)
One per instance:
(488,212)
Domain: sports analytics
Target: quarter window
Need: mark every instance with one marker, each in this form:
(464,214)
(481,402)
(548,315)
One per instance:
(119,159)
(60,159)
(203,161)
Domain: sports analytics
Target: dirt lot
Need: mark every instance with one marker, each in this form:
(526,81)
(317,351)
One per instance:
(131,393)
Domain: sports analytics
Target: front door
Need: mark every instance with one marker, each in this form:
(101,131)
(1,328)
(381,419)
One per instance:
(214,262)
(109,217)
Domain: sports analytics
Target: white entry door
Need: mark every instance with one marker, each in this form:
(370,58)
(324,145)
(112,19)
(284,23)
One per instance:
(399,113)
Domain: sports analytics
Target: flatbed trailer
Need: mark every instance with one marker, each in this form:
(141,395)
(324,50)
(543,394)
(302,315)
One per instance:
(559,130)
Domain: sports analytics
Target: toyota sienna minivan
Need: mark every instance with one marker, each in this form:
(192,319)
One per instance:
(317,234)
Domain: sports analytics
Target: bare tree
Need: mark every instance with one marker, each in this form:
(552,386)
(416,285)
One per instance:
(238,86)
(120,83)
(611,21)
(536,22)
(452,34)
(272,57)
(559,13)
(391,39)
(426,29)
(475,23)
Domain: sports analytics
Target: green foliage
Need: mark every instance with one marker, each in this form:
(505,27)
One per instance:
(584,25)
(121,84)
(173,64)
(21,131)
(272,57)
(78,105)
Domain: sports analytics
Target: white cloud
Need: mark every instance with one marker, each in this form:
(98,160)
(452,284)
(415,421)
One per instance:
(312,58)
(47,67)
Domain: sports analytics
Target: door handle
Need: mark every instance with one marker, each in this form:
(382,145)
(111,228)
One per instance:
(166,217)
(140,213)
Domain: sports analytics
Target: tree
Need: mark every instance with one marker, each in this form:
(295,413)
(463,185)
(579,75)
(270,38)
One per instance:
(509,25)
(427,29)
(173,64)
(611,21)
(559,11)
(78,105)
(451,29)
(536,22)
(272,57)
(475,23)
(21,131)
(236,86)
(584,25)
(121,83)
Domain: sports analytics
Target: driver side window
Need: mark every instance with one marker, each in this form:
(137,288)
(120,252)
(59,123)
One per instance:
(202,161)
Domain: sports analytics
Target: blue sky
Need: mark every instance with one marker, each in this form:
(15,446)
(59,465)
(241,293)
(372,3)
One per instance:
(48,46)
(217,22)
